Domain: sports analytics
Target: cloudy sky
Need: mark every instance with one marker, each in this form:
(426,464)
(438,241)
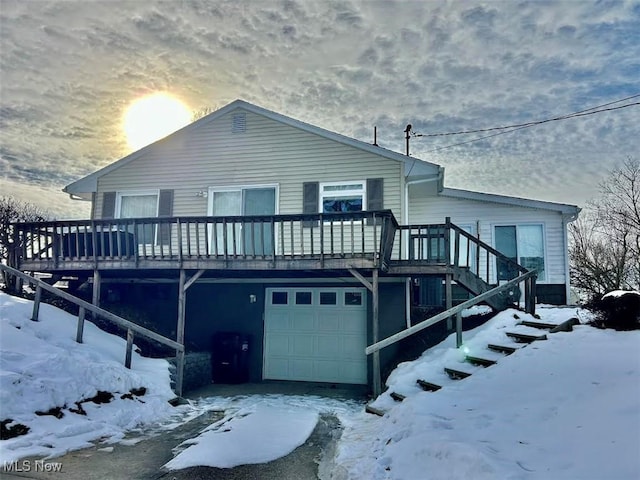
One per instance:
(69,70)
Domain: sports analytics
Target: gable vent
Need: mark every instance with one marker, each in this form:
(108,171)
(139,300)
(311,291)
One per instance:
(239,123)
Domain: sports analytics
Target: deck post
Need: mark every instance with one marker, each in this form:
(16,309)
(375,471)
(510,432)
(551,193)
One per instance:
(449,299)
(377,381)
(182,291)
(458,329)
(96,288)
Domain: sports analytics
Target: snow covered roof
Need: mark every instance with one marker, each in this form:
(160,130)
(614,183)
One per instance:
(418,167)
(562,208)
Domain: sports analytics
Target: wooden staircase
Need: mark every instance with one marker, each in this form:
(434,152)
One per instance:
(475,285)
(479,361)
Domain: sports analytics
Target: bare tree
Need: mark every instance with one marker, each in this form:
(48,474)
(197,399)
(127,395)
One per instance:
(605,243)
(12,210)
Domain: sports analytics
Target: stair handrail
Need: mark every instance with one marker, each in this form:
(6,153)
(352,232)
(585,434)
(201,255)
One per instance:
(457,310)
(485,246)
(85,307)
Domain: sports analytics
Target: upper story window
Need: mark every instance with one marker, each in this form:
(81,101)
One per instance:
(343,197)
(140,204)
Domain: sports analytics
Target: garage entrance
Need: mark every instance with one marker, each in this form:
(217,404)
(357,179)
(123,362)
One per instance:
(315,334)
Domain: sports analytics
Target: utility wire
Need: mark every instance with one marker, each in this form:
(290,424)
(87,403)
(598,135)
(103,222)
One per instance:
(513,128)
(581,113)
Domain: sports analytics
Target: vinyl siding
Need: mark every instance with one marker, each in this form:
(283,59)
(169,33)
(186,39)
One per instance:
(484,216)
(267,153)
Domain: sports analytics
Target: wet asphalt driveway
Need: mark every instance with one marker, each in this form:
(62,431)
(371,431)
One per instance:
(144,460)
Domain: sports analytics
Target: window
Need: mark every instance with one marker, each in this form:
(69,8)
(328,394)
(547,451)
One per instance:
(303,298)
(279,298)
(343,197)
(353,298)
(141,204)
(328,298)
(523,244)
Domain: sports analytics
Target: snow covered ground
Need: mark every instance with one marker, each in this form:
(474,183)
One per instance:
(565,408)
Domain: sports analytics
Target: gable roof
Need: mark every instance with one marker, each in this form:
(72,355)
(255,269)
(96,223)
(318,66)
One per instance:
(562,208)
(417,167)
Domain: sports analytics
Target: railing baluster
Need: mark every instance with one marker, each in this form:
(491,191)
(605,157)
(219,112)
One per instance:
(332,235)
(188,226)
(291,235)
(281,229)
(224,238)
(197,226)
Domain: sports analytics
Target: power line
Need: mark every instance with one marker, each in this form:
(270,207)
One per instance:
(513,128)
(581,113)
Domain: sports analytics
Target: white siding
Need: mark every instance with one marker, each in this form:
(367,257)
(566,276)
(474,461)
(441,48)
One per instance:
(484,216)
(269,152)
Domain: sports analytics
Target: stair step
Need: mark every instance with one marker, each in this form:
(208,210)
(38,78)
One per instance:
(456,374)
(501,349)
(542,325)
(398,397)
(483,362)
(525,338)
(374,411)
(428,386)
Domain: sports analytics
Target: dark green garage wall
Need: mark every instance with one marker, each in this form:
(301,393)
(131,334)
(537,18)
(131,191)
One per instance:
(213,308)
(392,320)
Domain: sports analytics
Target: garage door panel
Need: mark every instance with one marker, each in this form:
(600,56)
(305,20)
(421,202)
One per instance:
(303,321)
(276,367)
(318,340)
(278,344)
(329,347)
(279,321)
(303,344)
(352,324)
(328,321)
(301,369)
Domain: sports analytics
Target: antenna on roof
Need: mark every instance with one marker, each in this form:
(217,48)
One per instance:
(375,136)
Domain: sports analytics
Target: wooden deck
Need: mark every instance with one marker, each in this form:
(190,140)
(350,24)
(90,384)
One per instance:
(370,240)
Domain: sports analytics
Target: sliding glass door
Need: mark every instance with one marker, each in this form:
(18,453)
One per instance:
(243,237)
(524,244)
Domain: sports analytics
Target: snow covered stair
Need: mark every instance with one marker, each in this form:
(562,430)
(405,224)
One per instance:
(518,334)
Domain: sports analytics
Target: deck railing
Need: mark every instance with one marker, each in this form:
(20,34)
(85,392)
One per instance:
(448,244)
(366,235)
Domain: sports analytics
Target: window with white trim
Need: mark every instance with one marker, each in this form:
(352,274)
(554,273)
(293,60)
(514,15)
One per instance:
(139,204)
(338,197)
(523,244)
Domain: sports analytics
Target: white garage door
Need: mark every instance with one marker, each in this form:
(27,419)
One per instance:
(315,335)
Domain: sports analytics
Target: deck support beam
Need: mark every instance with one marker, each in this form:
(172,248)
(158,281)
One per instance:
(180,332)
(377,380)
(372,286)
(183,286)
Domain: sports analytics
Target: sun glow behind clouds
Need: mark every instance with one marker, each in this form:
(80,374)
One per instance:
(153,117)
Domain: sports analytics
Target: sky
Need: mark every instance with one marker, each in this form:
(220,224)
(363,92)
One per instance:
(552,409)
(70,69)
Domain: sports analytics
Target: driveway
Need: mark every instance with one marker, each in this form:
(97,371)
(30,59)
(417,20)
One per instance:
(144,459)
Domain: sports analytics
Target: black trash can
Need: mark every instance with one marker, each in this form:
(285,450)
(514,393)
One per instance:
(230,357)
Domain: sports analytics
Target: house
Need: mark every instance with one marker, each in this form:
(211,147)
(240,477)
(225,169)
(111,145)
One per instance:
(291,247)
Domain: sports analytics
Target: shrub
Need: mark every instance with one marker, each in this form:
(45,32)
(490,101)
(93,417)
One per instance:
(619,310)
